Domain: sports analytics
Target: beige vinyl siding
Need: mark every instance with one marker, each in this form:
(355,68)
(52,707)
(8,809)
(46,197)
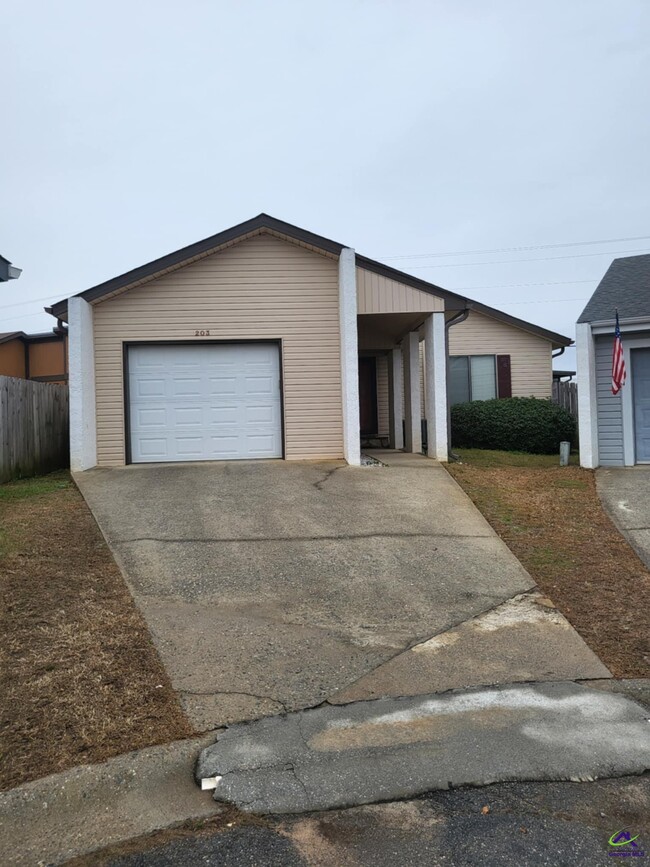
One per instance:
(262,288)
(383,418)
(377,294)
(383,422)
(530,356)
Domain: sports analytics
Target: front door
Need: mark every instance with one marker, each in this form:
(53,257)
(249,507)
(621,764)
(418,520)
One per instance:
(368,395)
(641,394)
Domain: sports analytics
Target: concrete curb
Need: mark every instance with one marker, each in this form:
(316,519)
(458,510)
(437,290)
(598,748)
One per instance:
(78,811)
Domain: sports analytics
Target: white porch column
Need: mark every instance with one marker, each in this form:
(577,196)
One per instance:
(587,402)
(395,398)
(81,381)
(435,379)
(412,413)
(349,356)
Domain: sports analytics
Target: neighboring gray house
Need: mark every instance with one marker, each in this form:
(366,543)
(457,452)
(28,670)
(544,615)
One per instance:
(615,429)
(8,271)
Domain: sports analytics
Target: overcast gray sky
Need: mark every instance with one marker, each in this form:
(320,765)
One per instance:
(400,128)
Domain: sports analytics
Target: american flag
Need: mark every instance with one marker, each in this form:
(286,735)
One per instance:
(618,360)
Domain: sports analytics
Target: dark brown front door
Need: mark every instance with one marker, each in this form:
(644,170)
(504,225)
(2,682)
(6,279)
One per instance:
(368,395)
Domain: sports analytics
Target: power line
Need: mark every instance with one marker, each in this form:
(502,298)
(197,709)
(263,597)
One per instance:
(517,261)
(513,285)
(549,301)
(29,301)
(522,249)
(26,316)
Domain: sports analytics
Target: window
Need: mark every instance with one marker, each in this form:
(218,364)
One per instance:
(472,377)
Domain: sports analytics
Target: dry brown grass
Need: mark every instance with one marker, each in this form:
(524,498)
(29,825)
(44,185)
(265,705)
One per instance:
(81,680)
(553,521)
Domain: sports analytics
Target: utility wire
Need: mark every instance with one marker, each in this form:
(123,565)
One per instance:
(549,301)
(513,285)
(522,249)
(517,261)
(27,301)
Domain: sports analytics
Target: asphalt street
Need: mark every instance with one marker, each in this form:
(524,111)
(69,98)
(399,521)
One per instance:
(504,824)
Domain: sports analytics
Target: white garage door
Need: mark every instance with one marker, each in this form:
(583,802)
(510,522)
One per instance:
(204,402)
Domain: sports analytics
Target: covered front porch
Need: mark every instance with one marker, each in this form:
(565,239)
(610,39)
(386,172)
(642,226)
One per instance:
(402,381)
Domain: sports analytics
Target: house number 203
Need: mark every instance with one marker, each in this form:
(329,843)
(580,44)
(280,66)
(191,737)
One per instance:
(201,333)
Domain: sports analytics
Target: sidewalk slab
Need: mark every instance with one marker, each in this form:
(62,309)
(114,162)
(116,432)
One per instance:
(398,748)
(75,812)
(522,640)
(625,494)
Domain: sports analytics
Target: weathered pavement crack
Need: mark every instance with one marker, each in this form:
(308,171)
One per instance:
(235,692)
(328,475)
(427,637)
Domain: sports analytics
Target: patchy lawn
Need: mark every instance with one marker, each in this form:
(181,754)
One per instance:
(81,680)
(553,521)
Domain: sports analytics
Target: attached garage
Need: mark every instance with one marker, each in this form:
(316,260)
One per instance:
(207,401)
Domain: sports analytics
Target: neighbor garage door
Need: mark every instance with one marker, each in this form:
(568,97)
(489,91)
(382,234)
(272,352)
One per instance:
(204,402)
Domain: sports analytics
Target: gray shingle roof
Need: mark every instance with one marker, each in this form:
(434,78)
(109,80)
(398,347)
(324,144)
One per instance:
(625,286)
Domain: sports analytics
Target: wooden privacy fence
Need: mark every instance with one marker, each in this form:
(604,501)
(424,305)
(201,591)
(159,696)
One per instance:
(565,394)
(33,427)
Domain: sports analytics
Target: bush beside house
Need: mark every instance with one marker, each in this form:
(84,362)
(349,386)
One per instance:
(521,424)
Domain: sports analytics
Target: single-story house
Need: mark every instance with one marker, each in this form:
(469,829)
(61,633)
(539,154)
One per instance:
(42,357)
(615,428)
(268,341)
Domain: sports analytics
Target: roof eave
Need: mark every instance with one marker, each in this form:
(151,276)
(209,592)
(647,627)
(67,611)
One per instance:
(258,223)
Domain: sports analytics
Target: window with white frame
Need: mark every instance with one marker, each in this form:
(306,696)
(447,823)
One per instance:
(472,377)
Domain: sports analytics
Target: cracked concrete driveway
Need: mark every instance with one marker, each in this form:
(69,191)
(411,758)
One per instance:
(269,586)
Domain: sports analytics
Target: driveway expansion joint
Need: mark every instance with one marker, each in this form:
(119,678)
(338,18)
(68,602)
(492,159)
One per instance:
(339,537)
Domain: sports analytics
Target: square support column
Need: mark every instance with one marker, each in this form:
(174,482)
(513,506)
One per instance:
(349,356)
(435,394)
(395,398)
(587,399)
(81,381)
(412,412)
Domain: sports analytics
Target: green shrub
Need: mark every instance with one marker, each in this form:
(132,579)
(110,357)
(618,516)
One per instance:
(514,424)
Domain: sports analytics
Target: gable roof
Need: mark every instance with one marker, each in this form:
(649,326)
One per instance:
(626,287)
(264,222)
(6,336)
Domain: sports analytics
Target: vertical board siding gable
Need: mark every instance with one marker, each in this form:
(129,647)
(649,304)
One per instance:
(260,289)
(378,294)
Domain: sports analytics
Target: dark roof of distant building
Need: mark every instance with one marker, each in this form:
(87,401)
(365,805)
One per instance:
(625,287)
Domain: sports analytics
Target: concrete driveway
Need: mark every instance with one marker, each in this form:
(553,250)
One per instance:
(271,586)
(625,493)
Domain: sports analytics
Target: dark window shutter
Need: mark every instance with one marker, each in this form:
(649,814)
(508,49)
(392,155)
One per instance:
(504,379)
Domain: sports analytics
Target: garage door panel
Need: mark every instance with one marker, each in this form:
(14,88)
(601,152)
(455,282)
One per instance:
(262,414)
(146,387)
(148,418)
(154,449)
(258,385)
(260,445)
(204,402)
(222,385)
(223,448)
(187,415)
(189,447)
